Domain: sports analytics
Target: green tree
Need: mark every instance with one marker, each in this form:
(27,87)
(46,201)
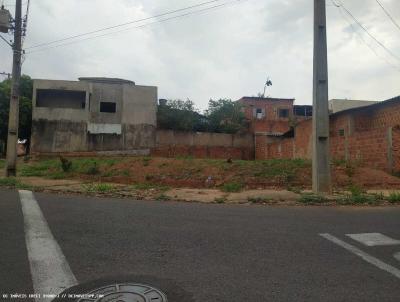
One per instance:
(180,115)
(226,116)
(25,107)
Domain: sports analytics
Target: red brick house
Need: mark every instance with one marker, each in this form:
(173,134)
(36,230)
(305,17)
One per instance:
(271,118)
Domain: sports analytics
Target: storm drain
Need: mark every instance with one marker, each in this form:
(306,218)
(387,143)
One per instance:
(125,292)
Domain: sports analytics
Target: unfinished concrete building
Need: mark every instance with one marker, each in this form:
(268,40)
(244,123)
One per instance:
(99,115)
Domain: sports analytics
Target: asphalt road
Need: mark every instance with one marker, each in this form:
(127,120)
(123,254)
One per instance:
(198,252)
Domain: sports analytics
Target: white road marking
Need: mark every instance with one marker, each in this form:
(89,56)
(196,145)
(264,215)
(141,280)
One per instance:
(368,258)
(373,239)
(50,270)
(397,256)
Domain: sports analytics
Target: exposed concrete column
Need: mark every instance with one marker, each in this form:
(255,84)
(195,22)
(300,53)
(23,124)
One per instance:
(348,133)
(389,140)
(321,152)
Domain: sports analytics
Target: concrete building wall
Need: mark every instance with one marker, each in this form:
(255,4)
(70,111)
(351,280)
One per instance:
(171,143)
(140,106)
(130,127)
(103,92)
(54,113)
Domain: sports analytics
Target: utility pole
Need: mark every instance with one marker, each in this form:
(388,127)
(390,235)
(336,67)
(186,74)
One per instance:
(11,166)
(321,153)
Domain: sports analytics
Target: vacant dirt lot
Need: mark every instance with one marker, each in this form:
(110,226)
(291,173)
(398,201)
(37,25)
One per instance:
(229,176)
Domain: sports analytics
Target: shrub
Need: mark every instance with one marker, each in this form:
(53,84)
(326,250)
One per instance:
(296,190)
(257,199)
(126,172)
(98,188)
(311,198)
(41,168)
(394,197)
(356,190)
(220,199)
(66,164)
(12,182)
(339,162)
(9,182)
(146,161)
(93,169)
(108,174)
(162,197)
(359,196)
(285,169)
(232,187)
(57,175)
(362,198)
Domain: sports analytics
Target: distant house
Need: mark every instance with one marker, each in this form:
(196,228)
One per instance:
(93,115)
(271,118)
(337,105)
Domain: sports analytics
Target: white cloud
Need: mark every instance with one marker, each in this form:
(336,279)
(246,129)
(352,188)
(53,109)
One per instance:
(227,52)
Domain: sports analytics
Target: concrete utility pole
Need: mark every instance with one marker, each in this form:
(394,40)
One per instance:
(11,166)
(321,154)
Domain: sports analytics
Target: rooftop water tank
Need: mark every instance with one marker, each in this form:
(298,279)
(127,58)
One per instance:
(5,18)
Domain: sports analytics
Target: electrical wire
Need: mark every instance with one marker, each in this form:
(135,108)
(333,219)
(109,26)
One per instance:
(124,24)
(141,26)
(366,30)
(388,14)
(25,23)
(368,45)
(5,40)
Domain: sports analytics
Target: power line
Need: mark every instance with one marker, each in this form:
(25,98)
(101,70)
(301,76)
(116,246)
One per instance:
(5,40)
(123,24)
(25,22)
(341,5)
(140,26)
(388,14)
(365,42)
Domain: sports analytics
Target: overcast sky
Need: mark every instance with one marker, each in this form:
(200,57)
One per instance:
(220,53)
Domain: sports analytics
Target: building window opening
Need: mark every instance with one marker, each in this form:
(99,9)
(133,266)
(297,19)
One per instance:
(341,132)
(109,107)
(283,113)
(304,110)
(55,98)
(259,113)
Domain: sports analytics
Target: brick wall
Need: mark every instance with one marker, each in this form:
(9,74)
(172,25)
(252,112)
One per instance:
(366,147)
(270,122)
(281,149)
(369,136)
(396,149)
(303,139)
(171,143)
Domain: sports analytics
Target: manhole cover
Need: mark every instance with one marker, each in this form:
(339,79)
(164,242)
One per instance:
(125,292)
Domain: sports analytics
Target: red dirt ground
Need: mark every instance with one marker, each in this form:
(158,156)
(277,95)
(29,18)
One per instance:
(193,173)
